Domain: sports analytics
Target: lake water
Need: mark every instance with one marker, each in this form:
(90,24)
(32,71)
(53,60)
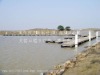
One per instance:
(29,55)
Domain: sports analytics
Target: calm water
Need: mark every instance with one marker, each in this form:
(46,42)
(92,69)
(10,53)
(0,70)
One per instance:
(28,55)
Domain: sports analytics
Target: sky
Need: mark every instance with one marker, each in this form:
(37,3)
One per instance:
(30,14)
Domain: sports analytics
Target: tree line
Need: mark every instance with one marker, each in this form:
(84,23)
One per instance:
(61,28)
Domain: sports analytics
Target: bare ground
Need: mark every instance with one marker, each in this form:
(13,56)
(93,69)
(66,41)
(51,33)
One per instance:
(90,65)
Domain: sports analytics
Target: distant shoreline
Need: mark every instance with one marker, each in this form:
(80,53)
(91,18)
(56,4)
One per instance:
(35,32)
(41,32)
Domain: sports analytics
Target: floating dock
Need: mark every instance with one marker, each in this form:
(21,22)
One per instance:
(80,41)
(50,41)
(59,41)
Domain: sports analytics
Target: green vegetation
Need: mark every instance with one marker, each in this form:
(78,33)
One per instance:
(67,28)
(60,28)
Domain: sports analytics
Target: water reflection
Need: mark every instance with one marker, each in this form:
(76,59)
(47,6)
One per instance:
(89,43)
(76,49)
(97,39)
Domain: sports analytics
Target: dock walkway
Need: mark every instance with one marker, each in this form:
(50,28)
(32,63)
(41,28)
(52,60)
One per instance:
(80,41)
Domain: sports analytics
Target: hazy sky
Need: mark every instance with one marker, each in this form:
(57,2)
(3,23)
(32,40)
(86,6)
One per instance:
(29,14)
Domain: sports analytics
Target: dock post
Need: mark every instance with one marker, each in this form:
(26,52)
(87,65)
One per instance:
(89,38)
(76,46)
(78,32)
(97,36)
(89,35)
(76,43)
(76,40)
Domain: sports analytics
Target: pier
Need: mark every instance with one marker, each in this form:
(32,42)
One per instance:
(77,39)
(59,41)
(80,41)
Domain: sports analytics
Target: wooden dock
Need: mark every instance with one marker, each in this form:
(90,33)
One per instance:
(80,41)
(59,41)
(49,41)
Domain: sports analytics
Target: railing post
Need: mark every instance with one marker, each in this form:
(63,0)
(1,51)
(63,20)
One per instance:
(78,32)
(76,40)
(89,38)
(89,35)
(97,34)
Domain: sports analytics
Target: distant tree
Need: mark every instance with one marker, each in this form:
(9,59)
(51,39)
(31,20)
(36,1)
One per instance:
(60,28)
(68,28)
